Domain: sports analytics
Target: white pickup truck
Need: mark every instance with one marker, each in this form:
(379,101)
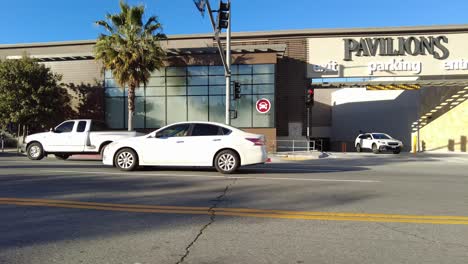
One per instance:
(82,136)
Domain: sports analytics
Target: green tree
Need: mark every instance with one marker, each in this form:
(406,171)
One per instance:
(130,49)
(30,94)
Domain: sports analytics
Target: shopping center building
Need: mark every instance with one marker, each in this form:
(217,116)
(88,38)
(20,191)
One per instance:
(409,82)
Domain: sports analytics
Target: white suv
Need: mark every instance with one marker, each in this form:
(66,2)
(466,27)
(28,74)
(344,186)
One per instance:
(377,142)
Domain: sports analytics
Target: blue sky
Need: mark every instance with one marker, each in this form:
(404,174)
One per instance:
(24,21)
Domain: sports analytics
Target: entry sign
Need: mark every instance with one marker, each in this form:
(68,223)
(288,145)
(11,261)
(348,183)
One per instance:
(263,106)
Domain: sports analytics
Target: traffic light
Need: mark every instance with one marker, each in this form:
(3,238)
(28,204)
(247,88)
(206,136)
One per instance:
(223,15)
(310,97)
(237,90)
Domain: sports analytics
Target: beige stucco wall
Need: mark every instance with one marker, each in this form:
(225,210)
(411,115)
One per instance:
(448,133)
(323,50)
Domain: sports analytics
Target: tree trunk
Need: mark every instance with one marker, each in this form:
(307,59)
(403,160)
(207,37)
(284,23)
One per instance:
(131,106)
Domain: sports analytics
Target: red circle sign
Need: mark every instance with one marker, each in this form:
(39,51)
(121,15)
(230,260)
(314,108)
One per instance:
(263,106)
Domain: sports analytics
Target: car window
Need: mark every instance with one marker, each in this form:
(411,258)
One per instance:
(226,131)
(365,136)
(98,126)
(180,130)
(206,130)
(65,127)
(81,126)
(380,136)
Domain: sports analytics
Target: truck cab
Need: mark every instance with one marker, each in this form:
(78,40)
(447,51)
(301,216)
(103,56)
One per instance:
(80,136)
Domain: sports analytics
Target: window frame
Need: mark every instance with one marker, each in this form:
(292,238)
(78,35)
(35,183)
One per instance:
(72,129)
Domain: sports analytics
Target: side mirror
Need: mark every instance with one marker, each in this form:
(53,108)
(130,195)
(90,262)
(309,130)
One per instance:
(51,129)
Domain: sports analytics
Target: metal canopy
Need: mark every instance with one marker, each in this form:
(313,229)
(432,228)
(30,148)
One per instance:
(279,48)
(361,84)
(275,48)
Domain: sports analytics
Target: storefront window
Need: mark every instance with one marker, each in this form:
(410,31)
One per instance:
(216,70)
(176,109)
(195,93)
(264,120)
(176,71)
(155,112)
(156,81)
(155,91)
(198,80)
(198,90)
(217,108)
(176,81)
(198,108)
(114,112)
(176,90)
(244,111)
(197,70)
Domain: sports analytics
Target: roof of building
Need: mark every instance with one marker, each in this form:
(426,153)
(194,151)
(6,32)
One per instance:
(281,33)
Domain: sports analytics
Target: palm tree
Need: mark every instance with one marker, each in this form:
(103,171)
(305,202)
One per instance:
(130,49)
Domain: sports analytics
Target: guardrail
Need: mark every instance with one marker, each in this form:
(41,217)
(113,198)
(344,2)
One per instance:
(293,145)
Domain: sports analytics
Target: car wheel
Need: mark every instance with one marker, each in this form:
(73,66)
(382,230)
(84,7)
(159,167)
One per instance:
(126,159)
(397,151)
(35,151)
(226,162)
(375,149)
(62,156)
(358,147)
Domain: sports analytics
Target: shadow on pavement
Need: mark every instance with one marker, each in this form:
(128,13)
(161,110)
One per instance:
(26,225)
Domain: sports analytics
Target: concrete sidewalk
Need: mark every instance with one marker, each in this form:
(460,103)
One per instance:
(315,155)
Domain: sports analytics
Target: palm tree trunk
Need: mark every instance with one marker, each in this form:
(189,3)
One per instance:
(131,106)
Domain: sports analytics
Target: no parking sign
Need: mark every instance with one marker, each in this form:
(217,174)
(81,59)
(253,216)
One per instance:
(263,106)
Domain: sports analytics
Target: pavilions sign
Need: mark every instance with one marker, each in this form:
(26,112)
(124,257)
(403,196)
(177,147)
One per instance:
(400,46)
(412,55)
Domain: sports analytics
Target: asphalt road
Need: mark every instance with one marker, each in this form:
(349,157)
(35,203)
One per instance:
(355,209)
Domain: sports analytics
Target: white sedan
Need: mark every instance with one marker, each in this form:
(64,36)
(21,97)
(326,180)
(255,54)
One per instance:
(189,144)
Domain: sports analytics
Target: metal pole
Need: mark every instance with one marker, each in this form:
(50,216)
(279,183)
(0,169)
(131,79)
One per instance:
(217,38)
(308,123)
(228,63)
(419,118)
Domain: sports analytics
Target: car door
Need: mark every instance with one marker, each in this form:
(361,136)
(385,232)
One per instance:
(79,137)
(202,144)
(367,141)
(166,147)
(59,139)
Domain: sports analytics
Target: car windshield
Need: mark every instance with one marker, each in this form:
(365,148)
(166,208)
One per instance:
(381,136)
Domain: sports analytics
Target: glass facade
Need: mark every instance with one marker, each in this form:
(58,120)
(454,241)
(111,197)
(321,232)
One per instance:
(194,93)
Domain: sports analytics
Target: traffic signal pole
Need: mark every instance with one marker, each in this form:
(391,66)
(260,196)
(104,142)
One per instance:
(225,58)
(228,68)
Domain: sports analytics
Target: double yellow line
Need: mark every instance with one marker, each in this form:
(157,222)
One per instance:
(242,212)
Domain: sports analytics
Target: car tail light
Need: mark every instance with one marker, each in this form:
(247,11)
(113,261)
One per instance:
(257,141)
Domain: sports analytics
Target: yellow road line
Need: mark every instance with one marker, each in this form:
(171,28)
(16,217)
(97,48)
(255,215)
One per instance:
(242,212)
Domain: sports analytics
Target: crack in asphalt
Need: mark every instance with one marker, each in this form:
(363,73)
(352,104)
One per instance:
(217,201)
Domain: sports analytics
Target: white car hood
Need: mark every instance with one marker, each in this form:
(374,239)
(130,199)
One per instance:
(36,136)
